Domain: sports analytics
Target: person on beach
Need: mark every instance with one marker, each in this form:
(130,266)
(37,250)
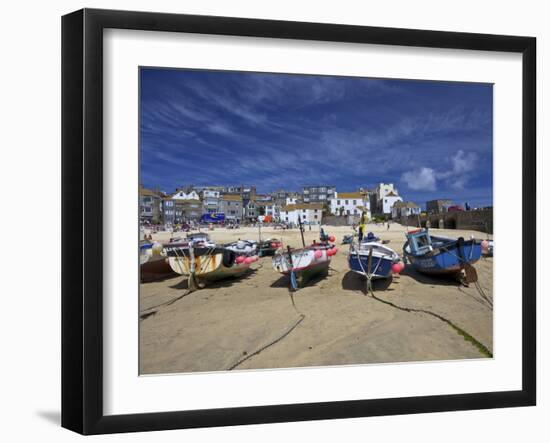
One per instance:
(362,227)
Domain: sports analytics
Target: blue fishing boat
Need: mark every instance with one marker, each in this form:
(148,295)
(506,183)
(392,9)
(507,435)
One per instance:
(431,254)
(372,259)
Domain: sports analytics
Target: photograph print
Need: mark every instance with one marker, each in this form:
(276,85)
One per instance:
(295,221)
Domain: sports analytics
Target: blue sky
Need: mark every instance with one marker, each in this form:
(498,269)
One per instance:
(431,139)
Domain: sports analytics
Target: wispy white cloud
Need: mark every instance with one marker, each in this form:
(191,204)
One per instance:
(462,168)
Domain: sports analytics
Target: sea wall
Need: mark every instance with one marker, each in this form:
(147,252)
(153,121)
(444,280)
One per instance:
(478,220)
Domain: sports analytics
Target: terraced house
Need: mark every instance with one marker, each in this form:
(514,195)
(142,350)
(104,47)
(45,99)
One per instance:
(149,205)
(232,206)
(306,212)
(350,203)
(318,194)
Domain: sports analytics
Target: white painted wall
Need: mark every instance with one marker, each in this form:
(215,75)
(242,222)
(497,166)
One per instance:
(350,206)
(306,215)
(388,202)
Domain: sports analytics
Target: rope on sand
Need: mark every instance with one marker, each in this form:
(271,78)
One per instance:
(277,340)
(191,284)
(469,338)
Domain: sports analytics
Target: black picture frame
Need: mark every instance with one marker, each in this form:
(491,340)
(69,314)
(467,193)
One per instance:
(82,230)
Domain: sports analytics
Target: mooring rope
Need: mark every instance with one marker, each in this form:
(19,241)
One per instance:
(468,337)
(277,340)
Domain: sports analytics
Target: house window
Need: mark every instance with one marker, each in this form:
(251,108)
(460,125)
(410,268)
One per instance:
(354,202)
(315,210)
(286,218)
(315,217)
(338,202)
(303,210)
(346,202)
(347,212)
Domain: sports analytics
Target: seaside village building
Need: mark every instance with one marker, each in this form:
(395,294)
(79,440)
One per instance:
(168,211)
(251,210)
(273,209)
(402,210)
(317,194)
(309,213)
(232,206)
(187,206)
(150,206)
(438,206)
(210,200)
(350,203)
(383,198)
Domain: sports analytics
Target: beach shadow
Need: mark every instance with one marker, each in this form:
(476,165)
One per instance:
(225,283)
(444,279)
(355,282)
(153,278)
(284,281)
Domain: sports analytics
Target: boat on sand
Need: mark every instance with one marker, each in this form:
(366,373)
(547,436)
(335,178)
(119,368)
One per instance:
(305,263)
(201,260)
(438,255)
(372,259)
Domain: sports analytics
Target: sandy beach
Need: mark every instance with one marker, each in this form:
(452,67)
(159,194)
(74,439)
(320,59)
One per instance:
(332,321)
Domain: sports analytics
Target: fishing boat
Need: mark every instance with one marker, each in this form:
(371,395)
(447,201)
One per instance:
(201,260)
(243,247)
(269,246)
(266,246)
(432,254)
(372,259)
(305,263)
(153,261)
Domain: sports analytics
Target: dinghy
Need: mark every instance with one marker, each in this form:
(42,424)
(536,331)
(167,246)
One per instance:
(243,247)
(153,261)
(432,254)
(305,263)
(269,246)
(373,260)
(201,260)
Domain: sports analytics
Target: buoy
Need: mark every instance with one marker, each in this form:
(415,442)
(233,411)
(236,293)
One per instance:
(318,254)
(332,239)
(334,250)
(239,259)
(274,245)
(248,260)
(396,268)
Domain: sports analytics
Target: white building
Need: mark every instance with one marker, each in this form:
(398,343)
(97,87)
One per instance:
(273,209)
(387,202)
(181,195)
(291,200)
(210,200)
(404,209)
(350,203)
(308,213)
(384,197)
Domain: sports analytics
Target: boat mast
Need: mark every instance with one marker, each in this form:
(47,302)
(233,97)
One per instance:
(301,230)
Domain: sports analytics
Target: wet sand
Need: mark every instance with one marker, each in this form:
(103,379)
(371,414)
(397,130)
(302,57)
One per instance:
(334,321)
